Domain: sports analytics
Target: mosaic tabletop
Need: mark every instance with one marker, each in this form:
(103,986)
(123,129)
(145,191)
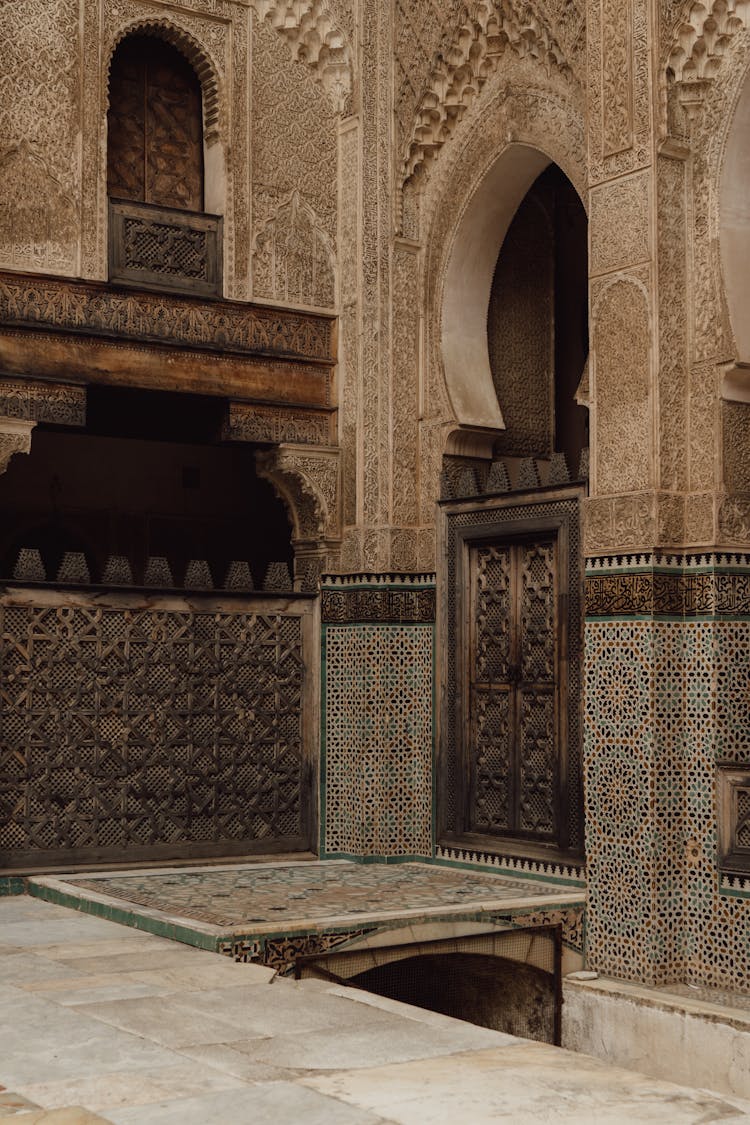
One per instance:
(253,895)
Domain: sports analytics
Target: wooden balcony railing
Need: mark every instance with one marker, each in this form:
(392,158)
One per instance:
(163,248)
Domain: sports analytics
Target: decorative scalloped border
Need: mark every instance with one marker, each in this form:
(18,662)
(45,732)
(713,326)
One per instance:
(367,579)
(572,874)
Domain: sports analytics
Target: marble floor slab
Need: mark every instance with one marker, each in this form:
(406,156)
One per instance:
(213,1041)
(526,1085)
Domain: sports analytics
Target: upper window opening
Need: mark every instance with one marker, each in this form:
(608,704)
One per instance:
(155,126)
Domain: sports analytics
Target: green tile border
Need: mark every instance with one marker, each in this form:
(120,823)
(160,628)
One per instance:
(170,930)
(12,885)
(213,943)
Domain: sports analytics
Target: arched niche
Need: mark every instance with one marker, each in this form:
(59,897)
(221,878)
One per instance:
(213,172)
(468,284)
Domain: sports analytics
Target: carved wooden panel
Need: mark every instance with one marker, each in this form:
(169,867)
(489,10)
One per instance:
(734,818)
(155,126)
(512,689)
(65,307)
(165,248)
(147,729)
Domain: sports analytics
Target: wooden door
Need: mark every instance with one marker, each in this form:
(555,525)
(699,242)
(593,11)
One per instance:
(155,126)
(512,687)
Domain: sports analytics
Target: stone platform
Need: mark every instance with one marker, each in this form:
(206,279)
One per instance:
(271,913)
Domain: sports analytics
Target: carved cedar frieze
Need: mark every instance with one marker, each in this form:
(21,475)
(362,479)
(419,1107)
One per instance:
(249,422)
(60,404)
(90,309)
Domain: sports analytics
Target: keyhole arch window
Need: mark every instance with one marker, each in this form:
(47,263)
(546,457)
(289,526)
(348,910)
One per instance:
(154,126)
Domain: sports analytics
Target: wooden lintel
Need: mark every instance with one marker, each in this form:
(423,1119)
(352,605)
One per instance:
(87,360)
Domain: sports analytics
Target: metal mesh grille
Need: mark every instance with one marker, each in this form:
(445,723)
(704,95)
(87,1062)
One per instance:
(509,980)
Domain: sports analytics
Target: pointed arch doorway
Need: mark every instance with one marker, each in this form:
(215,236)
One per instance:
(510,748)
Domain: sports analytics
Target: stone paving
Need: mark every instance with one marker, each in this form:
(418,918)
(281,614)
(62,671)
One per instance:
(103,1022)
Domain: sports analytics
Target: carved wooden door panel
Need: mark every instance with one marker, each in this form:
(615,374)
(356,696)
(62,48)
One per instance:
(155,123)
(512,686)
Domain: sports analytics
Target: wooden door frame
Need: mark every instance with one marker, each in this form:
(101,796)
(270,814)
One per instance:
(488,519)
(514,533)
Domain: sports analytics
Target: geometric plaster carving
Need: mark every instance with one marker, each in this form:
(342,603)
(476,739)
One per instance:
(468,283)
(293,258)
(15,437)
(316,39)
(621,387)
(308,481)
(38,217)
(487,29)
(702,38)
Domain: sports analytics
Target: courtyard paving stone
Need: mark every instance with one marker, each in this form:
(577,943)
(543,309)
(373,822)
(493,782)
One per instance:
(222,1042)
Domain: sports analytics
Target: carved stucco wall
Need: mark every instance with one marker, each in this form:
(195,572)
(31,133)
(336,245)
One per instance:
(294,177)
(647,211)
(40,119)
(54,59)
(717,441)
(622,379)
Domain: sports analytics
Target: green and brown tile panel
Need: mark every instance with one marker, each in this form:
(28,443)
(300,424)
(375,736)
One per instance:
(377,716)
(667,701)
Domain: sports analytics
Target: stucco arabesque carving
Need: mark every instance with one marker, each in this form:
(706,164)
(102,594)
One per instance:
(316,38)
(293,257)
(15,437)
(710,118)
(308,480)
(488,30)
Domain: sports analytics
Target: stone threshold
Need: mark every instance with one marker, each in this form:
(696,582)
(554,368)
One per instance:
(732,1009)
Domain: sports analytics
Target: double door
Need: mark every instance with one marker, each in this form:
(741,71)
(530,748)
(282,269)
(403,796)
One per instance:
(513,679)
